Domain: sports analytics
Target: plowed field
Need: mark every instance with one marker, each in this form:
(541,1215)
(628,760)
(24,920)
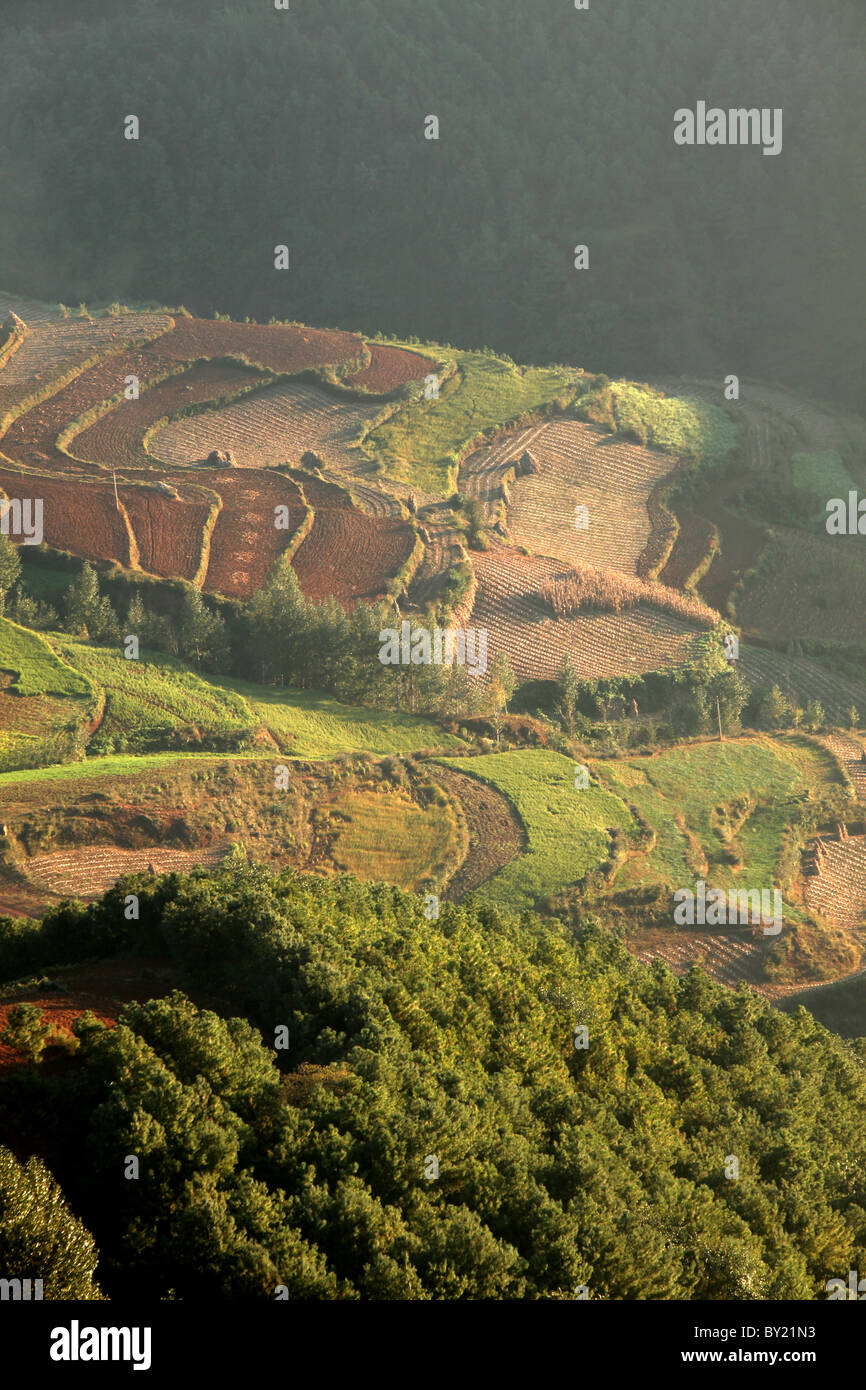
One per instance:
(275,426)
(390,367)
(599,644)
(82,519)
(115,441)
(351,555)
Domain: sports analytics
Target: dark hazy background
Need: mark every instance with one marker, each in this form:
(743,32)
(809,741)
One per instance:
(306,127)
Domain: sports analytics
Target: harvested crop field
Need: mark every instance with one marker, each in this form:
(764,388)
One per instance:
(389,368)
(582,465)
(116,440)
(838,891)
(81,518)
(351,556)
(52,349)
(729,958)
(495,833)
(599,644)
(277,425)
(87,873)
(850,753)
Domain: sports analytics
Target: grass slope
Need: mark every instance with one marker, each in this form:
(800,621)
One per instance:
(156,698)
(310,724)
(566,829)
(37,669)
(421,443)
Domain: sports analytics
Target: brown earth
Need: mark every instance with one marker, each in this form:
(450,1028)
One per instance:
(390,367)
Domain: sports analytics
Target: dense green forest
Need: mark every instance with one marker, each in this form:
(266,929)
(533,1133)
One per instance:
(558,1165)
(305,127)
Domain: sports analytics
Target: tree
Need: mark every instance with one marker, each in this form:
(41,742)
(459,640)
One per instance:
(87,612)
(202,633)
(10,568)
(774,709)
(39,1236)
(853,717)
(566,706)
(815,716)
(26,1032)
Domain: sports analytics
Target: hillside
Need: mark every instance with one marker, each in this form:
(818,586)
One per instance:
(274,496)
(490,1156)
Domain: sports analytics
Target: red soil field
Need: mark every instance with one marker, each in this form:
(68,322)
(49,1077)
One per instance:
(351,555)
(79,517)
(103,987)
(115,441)
(245,544)
(31,438)
(168,531)
(390,367)
(280,347)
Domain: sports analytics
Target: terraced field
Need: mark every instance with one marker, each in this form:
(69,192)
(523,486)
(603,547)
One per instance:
(584,465)
(599,644)
(276,426)
(850,752)
(567,830)
(810,586)
(719,810)
(87,873)
(802,679)
(85,520)
(838,891)
(389,368)
(117,439)
(53,349)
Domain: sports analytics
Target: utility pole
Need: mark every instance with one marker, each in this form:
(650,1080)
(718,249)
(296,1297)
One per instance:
(116,498)
(719,713)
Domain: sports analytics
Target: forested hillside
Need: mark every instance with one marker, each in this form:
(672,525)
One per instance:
(556,128)
(378,1105)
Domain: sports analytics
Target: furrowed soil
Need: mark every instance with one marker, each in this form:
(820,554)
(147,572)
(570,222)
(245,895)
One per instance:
(495,833)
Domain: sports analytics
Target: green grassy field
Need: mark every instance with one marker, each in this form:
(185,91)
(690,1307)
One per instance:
(158,699)
(682,425)
(310,724)
(420,443)
(566,828)
(824,475)
(719,810)
(37,669)
(150,700)
(116,765)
